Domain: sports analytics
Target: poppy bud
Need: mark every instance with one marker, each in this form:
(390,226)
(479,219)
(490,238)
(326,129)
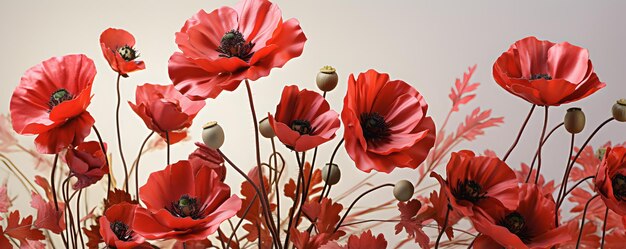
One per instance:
(213,135)
(334,176)
(619,110)
(266,129)
(574,120)
(327,79)
(403,191)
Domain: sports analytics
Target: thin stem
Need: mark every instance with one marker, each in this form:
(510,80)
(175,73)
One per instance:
(240,221)
(119,135)
(606,215)
(167,141)
(558,204)
(444,227)
(262,197)
(543,133)
(367,221)
(532,164)
(106,158)
(332,157)
(357,199)
(565,174)
(221,234)
(82,240)
(582,223)
(137,164)
(54,191)
(276,181)
(256,188)
(519,134)
(295,201)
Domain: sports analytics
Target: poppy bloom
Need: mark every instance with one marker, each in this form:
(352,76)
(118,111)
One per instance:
(51,102)
(118,48)
(610,181)
(228,45)
(116,227)
(87,163)
(303,119)
(478,181)
(165,110)
(385,121)
(204,156)
(530,225)
(545,73)
(182,205)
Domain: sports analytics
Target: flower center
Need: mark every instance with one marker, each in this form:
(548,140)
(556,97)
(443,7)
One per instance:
(186,207)
(469,190)
(58,97)
(128,53)
(516,224)
(120,229)
(233,44)
(374,126)
(301,126)
(541,76)
(619,187)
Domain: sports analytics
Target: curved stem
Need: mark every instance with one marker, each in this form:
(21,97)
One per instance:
(332,157)
(519,134)
(532,164)
(167,141)
(357,199)
(606,215)
(54,191)
(137,164)
(82,240)
(566,173)
(300,181)
(262,197)
(582,148)
(444,227)
(276,181)
(543,133)
(106,158)
(119,135)
(582,223)
(558,204)
(230,238)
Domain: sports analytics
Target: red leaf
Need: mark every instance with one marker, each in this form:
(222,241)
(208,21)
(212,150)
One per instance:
(325,214)
(459,94)
(314,187)
(5,201)
(410,223)
(364,241)
(118,196)
(47,215)
(93,236)
(23,230)
(43,183)
(475,123)
(4,242)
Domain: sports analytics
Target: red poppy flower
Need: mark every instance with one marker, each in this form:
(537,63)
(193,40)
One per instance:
(118,48)
(204,156)
(87,163)
(546,73)
(477,181)
(51,102)
(303,119)
(182,205)
(610,181)
(530,225)
(385,121)
(228,45)
(163,109)
(117,227)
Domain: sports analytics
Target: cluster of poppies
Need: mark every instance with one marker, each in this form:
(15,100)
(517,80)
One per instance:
(385,127)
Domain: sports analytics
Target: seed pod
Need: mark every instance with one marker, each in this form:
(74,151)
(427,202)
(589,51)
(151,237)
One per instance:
(266,129)
(335,174)
(403,191)
(574,120)
(327,79)
(213,135)
(619,110)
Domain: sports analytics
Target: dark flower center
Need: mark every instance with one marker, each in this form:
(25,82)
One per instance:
(186,207)
(469,190)
(58,97)
(120,229)
(516,224)
(301,126)
(233,44)
(128,53)
(619,187)
(374,126)
(541,76)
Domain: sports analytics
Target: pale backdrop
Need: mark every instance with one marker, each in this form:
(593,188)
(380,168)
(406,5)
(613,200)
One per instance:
(425,43)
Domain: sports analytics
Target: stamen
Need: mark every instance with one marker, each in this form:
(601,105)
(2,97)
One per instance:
(541,76)
(128,53)
(301,126)
(469,191)
(120,229)
(374,126)
(516,224)
(186,207)
(619,187)
(58,97)
(233,44)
